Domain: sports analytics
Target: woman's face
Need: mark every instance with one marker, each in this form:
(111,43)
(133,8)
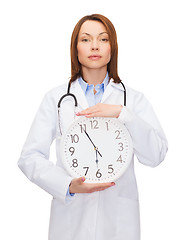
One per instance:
(93,46)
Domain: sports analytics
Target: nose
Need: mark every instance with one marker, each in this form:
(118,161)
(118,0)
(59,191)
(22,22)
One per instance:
(95,45)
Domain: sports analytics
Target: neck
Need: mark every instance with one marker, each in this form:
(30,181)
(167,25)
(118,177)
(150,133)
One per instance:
(94,76)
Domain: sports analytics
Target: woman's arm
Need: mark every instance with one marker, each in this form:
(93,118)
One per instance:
(34,160)
(149,141)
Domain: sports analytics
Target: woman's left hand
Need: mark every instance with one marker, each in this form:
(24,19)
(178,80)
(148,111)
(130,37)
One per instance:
(101,110)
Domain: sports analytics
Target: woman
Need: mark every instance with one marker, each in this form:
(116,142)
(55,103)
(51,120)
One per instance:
(106,211)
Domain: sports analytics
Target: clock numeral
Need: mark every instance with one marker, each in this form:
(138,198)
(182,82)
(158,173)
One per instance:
(72,150)
(118,134)
(87,168)
(120,146)
(120,159)
(74,138)
(98,174)
(74,163)
(94,124)
(110,168)
(83,127)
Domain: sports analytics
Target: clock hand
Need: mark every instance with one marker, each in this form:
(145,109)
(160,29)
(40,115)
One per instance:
(97,157)
(95,148)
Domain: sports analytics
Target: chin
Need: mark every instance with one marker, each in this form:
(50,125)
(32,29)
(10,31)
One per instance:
(96,65)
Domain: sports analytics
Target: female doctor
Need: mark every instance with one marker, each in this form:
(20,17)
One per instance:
(80,210)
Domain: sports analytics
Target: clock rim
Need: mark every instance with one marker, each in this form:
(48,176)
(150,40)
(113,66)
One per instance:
(62,154)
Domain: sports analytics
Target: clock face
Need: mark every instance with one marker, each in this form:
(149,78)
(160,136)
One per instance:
(100,149)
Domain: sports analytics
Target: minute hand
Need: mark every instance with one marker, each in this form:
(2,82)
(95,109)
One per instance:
(95,148)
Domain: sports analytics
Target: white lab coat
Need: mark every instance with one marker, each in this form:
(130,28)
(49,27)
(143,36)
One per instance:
(112,214)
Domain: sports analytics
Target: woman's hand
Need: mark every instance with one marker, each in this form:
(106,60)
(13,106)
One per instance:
(78,185)
(101,110)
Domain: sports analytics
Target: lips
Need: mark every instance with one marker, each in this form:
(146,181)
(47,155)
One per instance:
(94,57)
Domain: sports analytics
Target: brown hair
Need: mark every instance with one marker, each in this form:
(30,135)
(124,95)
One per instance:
(112,65)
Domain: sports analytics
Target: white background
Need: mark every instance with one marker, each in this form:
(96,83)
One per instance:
(35,57)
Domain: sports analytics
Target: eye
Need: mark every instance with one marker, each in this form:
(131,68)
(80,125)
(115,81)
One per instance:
(85,40)
(104,39)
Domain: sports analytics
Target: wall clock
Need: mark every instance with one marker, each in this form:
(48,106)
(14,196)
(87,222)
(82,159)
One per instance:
(100,149)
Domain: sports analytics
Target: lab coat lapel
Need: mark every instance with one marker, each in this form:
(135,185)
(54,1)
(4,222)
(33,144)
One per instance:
(81,99)
(78,92)
(109,89)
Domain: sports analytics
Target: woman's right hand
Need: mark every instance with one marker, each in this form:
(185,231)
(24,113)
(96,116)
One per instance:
(78,185)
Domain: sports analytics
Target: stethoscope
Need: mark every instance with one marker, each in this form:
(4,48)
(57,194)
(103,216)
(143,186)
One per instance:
(76,103)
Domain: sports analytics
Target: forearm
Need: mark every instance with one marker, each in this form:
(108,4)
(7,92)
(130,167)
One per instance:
(45,174)
(34,160)
(149,142)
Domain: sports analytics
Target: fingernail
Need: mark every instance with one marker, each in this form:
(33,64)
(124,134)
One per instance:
(113,184)
(83,179)
(77,114)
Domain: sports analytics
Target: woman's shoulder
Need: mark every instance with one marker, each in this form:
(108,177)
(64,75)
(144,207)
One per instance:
(54,94)
(137,99)
(133,92)
(58,89)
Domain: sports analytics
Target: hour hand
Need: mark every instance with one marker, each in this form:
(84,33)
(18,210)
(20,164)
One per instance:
(95,148)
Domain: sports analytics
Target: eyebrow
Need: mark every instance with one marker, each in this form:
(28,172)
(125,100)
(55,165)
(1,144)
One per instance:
(90,34)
